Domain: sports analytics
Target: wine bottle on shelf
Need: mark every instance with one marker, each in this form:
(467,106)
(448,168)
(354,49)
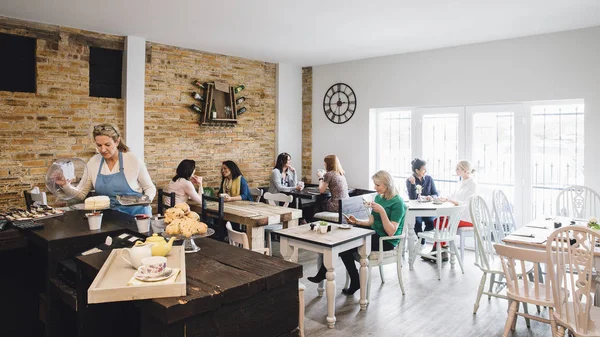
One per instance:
(240,100)
(199,84)
(213,111)
(198,96)
(238,88)
(196,108)
(241,110)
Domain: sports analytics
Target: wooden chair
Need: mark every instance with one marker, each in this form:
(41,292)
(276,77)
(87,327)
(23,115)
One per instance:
(515,262)
(31,198)
(274,199)
(570,252)
(486,258)
(445,227)
(578,202)
(240,239)
(257,193)
(161,200)
(216,218)
(350,206)
(380,258)
(503,213)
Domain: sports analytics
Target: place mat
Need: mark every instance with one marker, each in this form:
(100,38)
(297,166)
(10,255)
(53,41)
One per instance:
(526,239)
(135,282)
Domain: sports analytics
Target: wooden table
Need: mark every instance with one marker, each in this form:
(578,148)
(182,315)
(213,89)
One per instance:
(419,209)
(255,215)
(330,245)
(230,292)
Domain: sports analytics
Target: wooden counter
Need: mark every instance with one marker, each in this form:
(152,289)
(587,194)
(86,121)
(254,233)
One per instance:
(230,292)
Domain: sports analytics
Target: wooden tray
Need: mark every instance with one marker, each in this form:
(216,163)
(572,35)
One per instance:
(110,285)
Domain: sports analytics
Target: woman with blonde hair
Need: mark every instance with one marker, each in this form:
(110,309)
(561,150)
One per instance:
(335,180)
(114,171)
(386,219)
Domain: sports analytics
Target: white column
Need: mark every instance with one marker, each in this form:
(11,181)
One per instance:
(289,114)
(134,74)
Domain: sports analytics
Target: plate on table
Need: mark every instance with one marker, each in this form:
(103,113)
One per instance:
(145,278)
(438,203)
(132,200)
(424,201)
(344,226)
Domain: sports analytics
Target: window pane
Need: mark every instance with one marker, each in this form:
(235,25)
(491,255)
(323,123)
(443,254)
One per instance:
(440,149)
(394,146)
(557,153)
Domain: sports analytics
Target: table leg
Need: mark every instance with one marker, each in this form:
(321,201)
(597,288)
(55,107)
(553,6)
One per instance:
(256,236)
(364,251)
(290,223)
(320,288)
(409,220)
(285,250)
(328,260)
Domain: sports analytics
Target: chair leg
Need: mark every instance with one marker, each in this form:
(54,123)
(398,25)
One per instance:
(552,321)
(479,292)
(381,273)
(526,310)
(492,280)
(512,312)
(369,282)
(560,331)
(399,271)
(462,245)
(269,242)
(438,258)
(347,280)
(301,311)
(455,253)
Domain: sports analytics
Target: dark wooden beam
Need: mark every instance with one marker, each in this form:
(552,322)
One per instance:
(49,33)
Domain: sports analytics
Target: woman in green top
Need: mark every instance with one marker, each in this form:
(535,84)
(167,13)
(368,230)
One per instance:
(387,219)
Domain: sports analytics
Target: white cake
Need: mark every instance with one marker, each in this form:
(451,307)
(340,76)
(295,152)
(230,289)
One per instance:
(99,202)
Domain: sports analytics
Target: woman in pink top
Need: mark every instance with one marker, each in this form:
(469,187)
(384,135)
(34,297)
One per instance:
(183,183)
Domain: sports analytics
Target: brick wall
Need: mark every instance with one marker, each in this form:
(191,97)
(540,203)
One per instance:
(307,123)
(56,121)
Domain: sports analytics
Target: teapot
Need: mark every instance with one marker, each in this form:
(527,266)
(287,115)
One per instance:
(137,253)
(160,247)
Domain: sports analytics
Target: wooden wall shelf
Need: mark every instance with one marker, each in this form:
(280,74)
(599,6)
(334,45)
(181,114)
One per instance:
(218,105)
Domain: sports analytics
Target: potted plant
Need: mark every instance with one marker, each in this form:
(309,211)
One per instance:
(593,224)
(323,227)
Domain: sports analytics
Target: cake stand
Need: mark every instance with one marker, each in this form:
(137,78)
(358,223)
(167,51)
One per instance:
(188,242)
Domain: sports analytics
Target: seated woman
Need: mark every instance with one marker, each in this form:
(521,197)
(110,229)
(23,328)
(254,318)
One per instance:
(183,183)
(233,183)
(386,218)
(283,176)
(113,171)
(335,180)
(428,191)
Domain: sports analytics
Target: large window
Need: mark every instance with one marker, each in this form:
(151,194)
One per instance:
(528,150)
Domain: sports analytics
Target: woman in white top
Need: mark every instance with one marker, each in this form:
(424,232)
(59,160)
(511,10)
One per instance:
(467,187)
(183,183)
(113,171)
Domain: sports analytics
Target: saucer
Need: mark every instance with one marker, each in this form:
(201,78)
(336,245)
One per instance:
(168,272)
(438,203)
(344,226)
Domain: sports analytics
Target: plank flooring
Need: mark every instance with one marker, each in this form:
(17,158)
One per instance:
(429,308)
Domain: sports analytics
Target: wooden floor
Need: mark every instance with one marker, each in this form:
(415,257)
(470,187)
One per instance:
(429,308)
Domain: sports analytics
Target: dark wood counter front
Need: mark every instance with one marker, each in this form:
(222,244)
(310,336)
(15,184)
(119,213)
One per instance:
(230,292)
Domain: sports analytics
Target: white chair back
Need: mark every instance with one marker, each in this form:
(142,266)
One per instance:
(485,233)
(503,213)
(236,238)
(275,198)
(446,223)
(577,202)
(570,253)
(256,193)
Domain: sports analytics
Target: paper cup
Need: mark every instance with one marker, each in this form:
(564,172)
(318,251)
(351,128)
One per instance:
(94,220)
(143,223)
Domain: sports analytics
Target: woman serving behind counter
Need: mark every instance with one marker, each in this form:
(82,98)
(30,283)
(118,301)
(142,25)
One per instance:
(114,171)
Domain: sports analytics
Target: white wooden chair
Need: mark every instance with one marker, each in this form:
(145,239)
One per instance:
(445,227)
(485,256)
(240,239)
(274,199)
(503,213)
(381,258)
(256,193)
(570,253)
(515,262)
(578,202)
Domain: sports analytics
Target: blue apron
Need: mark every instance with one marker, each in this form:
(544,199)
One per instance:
(112,185)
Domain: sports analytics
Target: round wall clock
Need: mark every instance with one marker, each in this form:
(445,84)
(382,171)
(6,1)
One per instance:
(339,103)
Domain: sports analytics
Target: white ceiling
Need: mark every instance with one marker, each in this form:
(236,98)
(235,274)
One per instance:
(312,32)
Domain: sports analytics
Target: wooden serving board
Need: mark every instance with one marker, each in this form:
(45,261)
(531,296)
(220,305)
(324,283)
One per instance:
(110,285)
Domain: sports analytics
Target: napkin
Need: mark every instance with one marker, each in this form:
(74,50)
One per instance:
(135,282)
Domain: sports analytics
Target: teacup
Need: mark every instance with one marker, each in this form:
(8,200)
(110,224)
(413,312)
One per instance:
(94,220)
(153,266)
(301,185)
(223,195)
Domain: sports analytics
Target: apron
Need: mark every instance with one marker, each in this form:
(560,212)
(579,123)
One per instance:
(115,184)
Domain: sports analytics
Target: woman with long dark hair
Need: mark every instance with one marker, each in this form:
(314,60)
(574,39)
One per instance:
(420,182)
(183,183)
(233,183)
(283,176)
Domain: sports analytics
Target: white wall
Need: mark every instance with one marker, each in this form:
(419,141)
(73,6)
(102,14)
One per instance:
(289,114)
(553,66)
(134,79)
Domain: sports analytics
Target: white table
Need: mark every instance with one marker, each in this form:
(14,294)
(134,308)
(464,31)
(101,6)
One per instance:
(419,209)
(330,245)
